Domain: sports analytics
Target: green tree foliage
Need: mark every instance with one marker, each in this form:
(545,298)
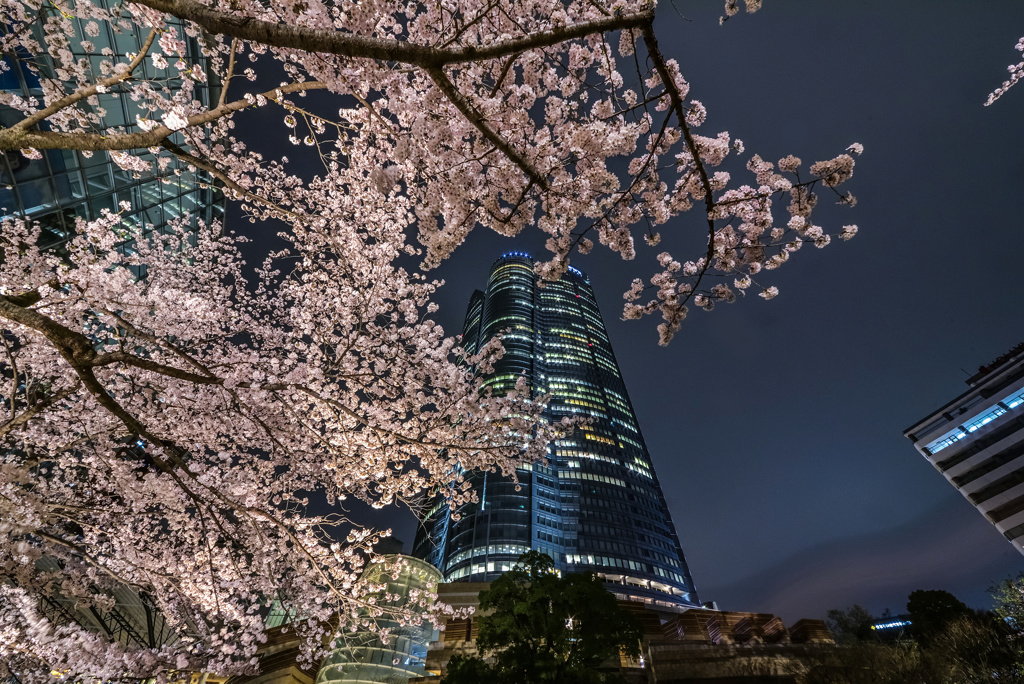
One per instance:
(539,626)
(850,625)
(949,643)
(1009,595)
(930,611)
(977,647)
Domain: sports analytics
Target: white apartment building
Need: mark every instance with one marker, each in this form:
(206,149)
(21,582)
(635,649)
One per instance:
(977,442)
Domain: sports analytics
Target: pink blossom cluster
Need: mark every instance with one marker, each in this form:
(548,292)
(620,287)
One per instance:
(1016,74)
(158,429)
(165,407)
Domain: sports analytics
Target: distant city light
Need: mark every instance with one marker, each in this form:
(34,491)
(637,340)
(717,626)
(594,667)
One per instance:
(891,625)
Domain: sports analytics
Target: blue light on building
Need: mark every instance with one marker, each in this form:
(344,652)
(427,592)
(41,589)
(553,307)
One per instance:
(890,624)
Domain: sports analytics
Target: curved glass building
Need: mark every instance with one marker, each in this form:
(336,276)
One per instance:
(597,505)
(362,657)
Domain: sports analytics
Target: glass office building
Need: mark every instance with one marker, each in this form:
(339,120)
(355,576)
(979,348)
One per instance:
(597,504)
(66,184)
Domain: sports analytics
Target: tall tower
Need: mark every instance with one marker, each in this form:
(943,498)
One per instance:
(597,505)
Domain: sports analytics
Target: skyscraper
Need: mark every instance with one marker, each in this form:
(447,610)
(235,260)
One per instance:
(977,442)
(597,504)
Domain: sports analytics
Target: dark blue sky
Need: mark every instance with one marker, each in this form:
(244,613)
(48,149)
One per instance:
(776,427)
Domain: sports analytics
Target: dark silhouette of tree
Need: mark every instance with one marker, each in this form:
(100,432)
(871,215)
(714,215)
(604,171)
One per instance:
(931,610)
(539,626)
(850,625)
(948,643)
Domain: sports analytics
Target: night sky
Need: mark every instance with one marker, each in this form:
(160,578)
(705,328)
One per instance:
(776,427)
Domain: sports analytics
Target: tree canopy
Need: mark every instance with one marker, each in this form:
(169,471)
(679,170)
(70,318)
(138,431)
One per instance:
(850,625)
(539,626)
(932,610)
(169,410)
(947,643)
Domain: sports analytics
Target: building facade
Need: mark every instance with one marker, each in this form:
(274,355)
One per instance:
(977,442)
(65,185)
(597,504)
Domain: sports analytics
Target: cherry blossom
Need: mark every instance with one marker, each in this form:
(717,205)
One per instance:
(170,416)
(159,429)
(1016,74)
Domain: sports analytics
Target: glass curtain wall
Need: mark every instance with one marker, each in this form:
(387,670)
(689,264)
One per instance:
(66,184)
(362,657)
(597,505)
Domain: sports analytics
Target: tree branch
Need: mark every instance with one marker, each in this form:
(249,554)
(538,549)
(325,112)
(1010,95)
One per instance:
(361,47)
(473,115)
(504,72)
(153,339)
(651,41)
(79,95)
(17,138)
(38,408)
(224,178)
(227,77)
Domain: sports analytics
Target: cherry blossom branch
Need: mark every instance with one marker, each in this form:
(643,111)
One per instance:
(362,47)
(18,138)
(89,558)
(227,181)
(365,423)
(30,297)
(152,366)
(84,93)
(153,339)
(515,208)
(373,111)
(230,72)
(504,72)
(628,192)
(474,116)
(14,372)
(79,353)
(74,347)
(472,22)
(136,427)
(38,408)
(651,41)
(1016,74)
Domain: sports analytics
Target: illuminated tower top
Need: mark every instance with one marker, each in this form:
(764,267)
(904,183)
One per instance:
(597,505)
